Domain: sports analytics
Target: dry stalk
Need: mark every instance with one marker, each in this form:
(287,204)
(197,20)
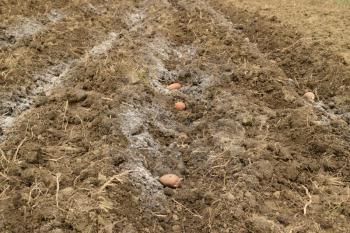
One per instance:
(56,160)
(117,177)
(106,98)
(3,156)
(222,165)
(187,209)
(18,148)
(310,199)
(2,194)
(64,114)
(82,125)
(5,176)
(104,204)
(30,198)
(295,43)
(58,175)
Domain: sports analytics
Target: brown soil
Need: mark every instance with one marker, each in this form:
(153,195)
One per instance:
(82,148)
(319,20)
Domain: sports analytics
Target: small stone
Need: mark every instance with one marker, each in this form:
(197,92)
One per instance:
(57,231)
(175,217)
(67,192)
(51,115)
(33,157)
(169,192)
(247,120)
(283,219)
(260,224)
(229,196)
(76,96)
(176,229)
(101,178)
(309,96)
(326,224)
(209,197)
(338,123)
(183,136)
(291,172)
(289,95)
(277,194)
(331,105)
(227,68)
(135,199)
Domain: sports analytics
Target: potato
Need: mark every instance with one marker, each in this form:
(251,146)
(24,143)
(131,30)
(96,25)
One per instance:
(180,106)
(170,180)
(174,86)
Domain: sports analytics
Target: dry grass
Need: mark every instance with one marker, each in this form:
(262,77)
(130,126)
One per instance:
(310,18)
(119,177)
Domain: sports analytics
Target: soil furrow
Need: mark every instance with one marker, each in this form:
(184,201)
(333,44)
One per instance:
(38,82)
(26,28)
(17,25)
(11,9)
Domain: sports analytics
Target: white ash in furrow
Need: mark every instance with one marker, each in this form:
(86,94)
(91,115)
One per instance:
(26,27)
(29,27)
(53,76)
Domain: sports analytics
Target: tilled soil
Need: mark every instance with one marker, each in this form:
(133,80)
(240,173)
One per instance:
(88,125)
(318,20)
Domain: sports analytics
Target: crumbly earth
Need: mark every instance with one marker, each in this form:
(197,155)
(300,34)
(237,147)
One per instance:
(87,125)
